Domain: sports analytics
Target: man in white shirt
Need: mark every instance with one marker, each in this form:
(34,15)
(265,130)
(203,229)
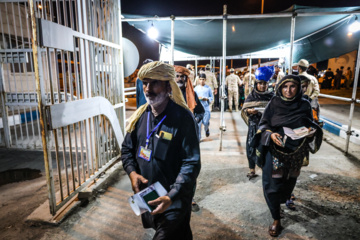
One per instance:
(313,89)
(249,82)
(278,75)
(210,81)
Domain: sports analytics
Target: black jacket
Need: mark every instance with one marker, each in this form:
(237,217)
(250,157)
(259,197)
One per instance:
(174,163)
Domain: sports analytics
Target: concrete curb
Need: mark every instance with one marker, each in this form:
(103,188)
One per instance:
(42,215)
(339,143)
(341,131)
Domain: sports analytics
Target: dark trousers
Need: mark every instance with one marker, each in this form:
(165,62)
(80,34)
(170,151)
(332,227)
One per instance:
(173,224)
(337,83)
(241,97)
(216,100)
(326,84)
(276,190)
(250,151)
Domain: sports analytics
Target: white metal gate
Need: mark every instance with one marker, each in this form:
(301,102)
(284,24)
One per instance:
(19,125)
(61,83)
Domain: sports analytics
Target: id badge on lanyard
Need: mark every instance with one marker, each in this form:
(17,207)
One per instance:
(145,152)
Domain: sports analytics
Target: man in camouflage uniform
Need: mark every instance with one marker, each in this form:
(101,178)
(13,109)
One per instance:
(249,83)
(233,82)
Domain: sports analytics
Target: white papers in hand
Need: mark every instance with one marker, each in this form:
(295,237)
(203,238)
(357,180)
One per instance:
(298,133)
(260,109)
(138,201)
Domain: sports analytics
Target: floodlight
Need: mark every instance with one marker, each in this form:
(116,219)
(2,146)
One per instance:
(355,26)
(152,32)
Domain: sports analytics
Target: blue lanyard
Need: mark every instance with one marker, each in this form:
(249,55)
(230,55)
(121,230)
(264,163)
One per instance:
(148,126)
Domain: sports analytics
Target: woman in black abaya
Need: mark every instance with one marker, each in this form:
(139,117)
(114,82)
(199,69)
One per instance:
(283,162)
(258,98)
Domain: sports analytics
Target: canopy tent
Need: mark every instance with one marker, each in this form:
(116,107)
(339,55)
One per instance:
(321,37)
(318,34)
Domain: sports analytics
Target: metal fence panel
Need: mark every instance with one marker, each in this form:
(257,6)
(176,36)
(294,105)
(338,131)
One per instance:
(77,56)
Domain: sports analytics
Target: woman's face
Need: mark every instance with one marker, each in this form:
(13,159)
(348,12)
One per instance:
(261,86)
(304,86)
(289,89)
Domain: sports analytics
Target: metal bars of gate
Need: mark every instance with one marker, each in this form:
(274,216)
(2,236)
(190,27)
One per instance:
(75,154)
(19,112)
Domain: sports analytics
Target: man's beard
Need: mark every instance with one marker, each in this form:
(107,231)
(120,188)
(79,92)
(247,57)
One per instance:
(180,84)
(157,100)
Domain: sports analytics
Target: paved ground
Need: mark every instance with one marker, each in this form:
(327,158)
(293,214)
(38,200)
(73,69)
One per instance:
(328,202)
(339,110)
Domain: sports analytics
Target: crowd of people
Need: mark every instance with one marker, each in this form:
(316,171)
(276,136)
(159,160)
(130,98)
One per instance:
(333,81)
(162,143)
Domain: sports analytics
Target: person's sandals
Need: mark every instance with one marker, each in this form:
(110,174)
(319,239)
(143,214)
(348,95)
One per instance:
(251,175)
(207,133)
(194,206)
(275,230)
(292,197)
(290,205)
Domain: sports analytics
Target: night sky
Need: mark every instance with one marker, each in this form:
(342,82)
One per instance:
(163,8)
(214,7)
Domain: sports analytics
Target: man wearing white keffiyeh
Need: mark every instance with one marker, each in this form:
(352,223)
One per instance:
(161,145)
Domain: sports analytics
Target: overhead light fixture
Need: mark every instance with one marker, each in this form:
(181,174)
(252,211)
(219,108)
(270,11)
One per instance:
(152,32)
(355,26)
(233,28)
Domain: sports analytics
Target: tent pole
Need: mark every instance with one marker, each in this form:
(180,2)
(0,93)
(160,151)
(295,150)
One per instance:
(250,72)
(213,64)
(352,107)
(292,35)
(172,38)
(248,16)
(220,80)
(242,56)
(220,89)
(222,126)
(196,68)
